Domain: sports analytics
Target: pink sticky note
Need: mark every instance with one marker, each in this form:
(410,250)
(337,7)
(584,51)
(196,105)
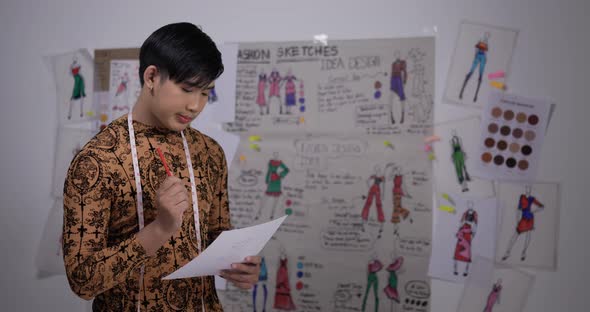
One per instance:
(427,148)
(497,75)
(432,138)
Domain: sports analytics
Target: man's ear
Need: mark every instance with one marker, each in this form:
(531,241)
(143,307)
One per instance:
(151,77)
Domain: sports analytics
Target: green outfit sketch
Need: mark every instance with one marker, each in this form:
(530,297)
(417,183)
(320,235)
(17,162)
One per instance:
(274,177)
(373,282)
(458,157)
(78,91)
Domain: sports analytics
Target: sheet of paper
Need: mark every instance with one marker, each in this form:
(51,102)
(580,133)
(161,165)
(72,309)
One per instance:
(460,237)
(479,51)
(229,247)
(222,101)
(512,132)
(124,88)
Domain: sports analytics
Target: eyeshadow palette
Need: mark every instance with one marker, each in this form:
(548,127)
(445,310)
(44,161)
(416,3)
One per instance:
(512,132)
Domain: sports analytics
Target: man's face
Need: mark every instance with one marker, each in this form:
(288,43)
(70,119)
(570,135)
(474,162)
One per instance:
(176,105)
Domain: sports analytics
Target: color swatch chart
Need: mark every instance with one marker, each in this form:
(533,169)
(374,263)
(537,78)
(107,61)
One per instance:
(512,133)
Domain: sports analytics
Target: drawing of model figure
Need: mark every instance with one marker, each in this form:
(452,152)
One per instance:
(526,222)
(458,156)
(399,190)
(391,289)
(290,91)
(399,76)
(276,172)
(122,94)
(375,183)
(283,300)
(373,267)
(494,296)
(261,98)
(465,237)
(78,92)
(275,81)
(262,278)
(480,58)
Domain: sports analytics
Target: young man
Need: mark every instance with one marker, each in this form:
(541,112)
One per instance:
(117,184)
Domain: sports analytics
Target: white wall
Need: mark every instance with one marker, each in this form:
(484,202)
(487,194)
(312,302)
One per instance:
(550,60)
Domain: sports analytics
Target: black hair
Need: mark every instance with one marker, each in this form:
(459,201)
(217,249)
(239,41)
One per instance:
(182,53)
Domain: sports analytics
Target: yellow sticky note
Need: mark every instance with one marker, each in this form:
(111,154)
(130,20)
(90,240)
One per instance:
(431,156)
(242,158)
(104,117)
(301,119)
(388,144)
(449,209)
(254,138)
(498,85)
(448,198)
(90,113)
(255,147)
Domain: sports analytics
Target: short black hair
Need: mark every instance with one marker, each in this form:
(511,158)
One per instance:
(182,53)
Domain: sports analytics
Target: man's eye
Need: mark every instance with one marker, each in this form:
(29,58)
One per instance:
(187,90)
(205,94)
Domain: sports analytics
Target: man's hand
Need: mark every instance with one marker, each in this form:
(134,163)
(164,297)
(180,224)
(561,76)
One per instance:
(171,201)
(244,275)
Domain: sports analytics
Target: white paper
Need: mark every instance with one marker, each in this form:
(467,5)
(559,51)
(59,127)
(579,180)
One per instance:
(529,224)
(515,153)
(229,247)
(506,290)
(455,231)
(124,87)
(480,49)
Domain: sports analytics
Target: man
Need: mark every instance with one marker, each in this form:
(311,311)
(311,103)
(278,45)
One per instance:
(127,223)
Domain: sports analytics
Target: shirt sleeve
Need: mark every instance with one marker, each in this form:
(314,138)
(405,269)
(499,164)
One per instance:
(92,266)
(219,217)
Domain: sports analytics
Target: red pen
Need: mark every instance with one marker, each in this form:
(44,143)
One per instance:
(164,162)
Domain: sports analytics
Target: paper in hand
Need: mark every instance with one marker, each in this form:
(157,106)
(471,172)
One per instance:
(229,247)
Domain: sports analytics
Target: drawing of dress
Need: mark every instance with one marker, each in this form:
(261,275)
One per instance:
(262,277)
(212,96)
(458,156)
(374,192)
(122,85)
(398,211)
(391,289)
(260,99)
(527,220)
(463,248)
(274,177)
(493,298)
(398,78)
(283,300)
(290,91)
(480,58)
(275,82)
(79,88)
(373,282)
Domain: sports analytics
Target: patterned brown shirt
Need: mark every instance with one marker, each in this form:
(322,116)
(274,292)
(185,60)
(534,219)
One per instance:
(101,252)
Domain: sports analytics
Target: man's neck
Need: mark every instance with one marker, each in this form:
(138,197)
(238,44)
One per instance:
(141,112)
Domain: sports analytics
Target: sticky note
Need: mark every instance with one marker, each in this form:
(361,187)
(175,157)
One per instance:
(446,208)
(427,147)
(432,138)
(90,113)
(388,144)
(301,119)
(498,85)
(496,75)
(242,158)
(431,156)
(104,117)
(254,138)
(255,147)
(448,198)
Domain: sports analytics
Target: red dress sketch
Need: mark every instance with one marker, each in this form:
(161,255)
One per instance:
(493,297)
(283,300)
(261,99)
(464,239)
(374,193)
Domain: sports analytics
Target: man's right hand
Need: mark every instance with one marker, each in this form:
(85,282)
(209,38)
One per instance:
(172,199)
